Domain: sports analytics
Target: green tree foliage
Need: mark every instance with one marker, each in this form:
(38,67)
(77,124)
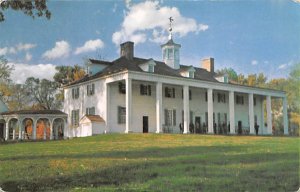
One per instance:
(232,75)
(43,93)
(5,70)
(33,8)
(67,74)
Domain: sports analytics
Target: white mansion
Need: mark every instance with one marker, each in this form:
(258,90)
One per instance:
(132,94)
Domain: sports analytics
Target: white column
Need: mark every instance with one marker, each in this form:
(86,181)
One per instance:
(107,107)
(251,113)
(262,124)
(231,112)
(128,104)
(285,116)
(210,110)
(7,130)
(159,111)
(20,130)
(33,129)
(269,115)
(51,130)
(186,109)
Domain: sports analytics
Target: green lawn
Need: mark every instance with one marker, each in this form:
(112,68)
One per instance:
(150,162)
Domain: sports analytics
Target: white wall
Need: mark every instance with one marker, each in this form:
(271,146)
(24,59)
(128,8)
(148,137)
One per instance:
(98,100)
(143,105)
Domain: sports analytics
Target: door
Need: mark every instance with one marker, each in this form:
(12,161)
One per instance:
(1,131)
(240,127)
(145,124)
(198,124)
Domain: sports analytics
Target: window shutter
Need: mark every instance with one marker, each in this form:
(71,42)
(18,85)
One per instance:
(166,91)
(205,96)
(141,89)
(88,89)
(190,94)
(166,117)
(219,97)
(174,117)
(149,90)
(119,115)
(173,92)
(87,111)
(93,89)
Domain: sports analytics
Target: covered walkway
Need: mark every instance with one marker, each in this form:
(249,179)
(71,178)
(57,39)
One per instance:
(33,125)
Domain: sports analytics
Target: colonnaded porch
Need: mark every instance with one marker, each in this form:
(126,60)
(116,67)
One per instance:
(33,125)
(251,101)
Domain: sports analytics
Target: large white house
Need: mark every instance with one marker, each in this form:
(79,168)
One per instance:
(139,95)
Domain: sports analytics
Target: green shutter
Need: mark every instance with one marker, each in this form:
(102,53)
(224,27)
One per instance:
(174,117)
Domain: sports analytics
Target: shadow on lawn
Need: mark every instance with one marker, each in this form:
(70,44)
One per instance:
(191,161)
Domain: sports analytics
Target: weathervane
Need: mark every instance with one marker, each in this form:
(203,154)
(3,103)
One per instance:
(170,28)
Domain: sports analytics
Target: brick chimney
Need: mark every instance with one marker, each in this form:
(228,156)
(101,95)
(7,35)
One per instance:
(208,64)
(127,50)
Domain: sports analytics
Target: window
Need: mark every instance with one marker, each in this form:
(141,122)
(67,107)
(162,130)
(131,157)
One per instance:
(75,118)
(121,115)
(122,88)
(169,92)
(191,74)
(90,111)
(145,89)
(176,53)
(170,117)
(151,68)
(240,100)
(170,53)
(90,89)
(221,98)
(75,93)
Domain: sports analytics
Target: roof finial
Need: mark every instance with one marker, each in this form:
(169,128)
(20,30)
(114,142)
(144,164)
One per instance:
(170,28)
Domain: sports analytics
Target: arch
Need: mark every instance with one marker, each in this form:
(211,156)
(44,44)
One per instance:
(27,123)
(43,127)
(58,125)
(13,128)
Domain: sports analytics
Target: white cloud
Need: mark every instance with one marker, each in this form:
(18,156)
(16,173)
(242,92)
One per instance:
(3,51)
(61,49)
(25,47)
(28,57)
(15,49)
(283,66)
(150,17)
(90,45)
(127,3)
(254,62)
(22,71)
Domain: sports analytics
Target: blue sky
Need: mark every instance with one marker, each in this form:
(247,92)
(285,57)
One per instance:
(249,36)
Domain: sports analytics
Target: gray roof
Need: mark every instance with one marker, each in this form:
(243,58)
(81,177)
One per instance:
(25,112)
(123,64)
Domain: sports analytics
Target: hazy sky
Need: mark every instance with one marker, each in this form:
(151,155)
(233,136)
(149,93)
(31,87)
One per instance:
(249,36)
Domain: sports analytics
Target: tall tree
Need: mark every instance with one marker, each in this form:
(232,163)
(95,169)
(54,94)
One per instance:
(33,8)
(43,93)
(5,69)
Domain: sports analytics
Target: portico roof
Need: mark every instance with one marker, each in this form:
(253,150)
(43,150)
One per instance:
(34,112)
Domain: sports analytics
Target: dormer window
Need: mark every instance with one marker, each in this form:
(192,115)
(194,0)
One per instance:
(148,66)
(191,74)
(151,68)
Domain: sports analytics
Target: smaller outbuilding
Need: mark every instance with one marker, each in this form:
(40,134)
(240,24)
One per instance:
(91,125)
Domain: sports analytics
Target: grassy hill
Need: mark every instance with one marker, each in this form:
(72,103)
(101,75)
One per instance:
(150,162)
